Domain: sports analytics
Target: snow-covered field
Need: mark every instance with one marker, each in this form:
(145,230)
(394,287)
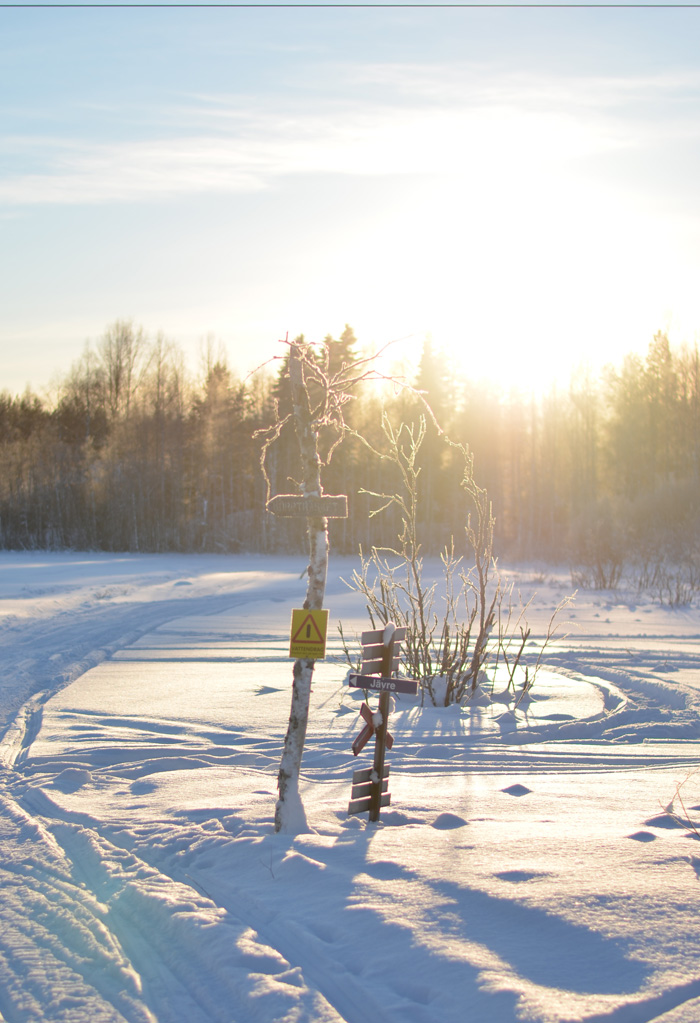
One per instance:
(527,868)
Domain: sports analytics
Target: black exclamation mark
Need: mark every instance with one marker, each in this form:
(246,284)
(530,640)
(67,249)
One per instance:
(308,631)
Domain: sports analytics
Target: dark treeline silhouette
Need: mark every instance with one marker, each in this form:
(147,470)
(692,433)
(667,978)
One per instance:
(133,455)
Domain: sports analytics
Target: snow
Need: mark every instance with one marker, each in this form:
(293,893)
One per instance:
(538,861)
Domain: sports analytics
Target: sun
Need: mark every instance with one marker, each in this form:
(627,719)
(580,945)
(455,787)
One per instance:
(522,267)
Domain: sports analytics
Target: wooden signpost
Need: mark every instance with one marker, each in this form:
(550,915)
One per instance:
(300,506)
(380,655)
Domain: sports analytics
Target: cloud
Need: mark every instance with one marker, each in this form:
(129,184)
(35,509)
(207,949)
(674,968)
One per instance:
(446,123)
(464,143)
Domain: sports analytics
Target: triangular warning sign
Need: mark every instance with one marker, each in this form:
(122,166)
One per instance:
(308,634)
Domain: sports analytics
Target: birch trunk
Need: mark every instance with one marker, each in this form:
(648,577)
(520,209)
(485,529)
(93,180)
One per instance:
(290,816)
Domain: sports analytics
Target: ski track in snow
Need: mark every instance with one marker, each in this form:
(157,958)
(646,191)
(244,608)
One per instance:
(138,885)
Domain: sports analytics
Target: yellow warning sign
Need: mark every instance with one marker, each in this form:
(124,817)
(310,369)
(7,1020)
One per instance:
(308,634)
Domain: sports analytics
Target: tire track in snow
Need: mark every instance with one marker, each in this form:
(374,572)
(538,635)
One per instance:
(58,960)
(174,932)
(323,965)
(196,960)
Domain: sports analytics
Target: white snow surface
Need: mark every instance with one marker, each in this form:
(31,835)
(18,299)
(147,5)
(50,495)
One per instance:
(538,860)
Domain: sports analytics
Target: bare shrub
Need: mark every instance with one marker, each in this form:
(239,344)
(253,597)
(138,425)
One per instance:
(666,543)
(454,626)
(683,819)
(675,585)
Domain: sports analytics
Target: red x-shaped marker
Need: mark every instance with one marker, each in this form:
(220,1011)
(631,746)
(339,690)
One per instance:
(368,731)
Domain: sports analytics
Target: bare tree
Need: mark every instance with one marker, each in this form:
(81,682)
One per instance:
(121,348)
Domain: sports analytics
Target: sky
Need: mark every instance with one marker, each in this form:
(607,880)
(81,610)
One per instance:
(518,184)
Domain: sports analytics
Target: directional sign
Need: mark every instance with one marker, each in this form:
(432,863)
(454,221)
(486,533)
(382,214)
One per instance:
(386,685)
(308,634)
(297,506)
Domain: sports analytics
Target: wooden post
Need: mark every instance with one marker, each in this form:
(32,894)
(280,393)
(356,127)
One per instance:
(380,743)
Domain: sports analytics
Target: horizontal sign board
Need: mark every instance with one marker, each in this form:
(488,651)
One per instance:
(372,650)
(364,791)
(330,506)
(375,666)
(388,685)
(360,805)
(365,774)
(377,635)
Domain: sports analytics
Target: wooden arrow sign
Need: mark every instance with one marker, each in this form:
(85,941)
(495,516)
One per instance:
(383,685)
(298,506)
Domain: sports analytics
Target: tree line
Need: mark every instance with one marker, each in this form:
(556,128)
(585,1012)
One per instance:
(133,454)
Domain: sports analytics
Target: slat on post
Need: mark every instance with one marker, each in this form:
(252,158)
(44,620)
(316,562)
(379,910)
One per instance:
(373,650)
(375,666)
(365,789)
(360,805)
(365,774)
(377,636)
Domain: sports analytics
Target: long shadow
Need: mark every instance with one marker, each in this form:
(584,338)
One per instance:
(413,955)
(546,949)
